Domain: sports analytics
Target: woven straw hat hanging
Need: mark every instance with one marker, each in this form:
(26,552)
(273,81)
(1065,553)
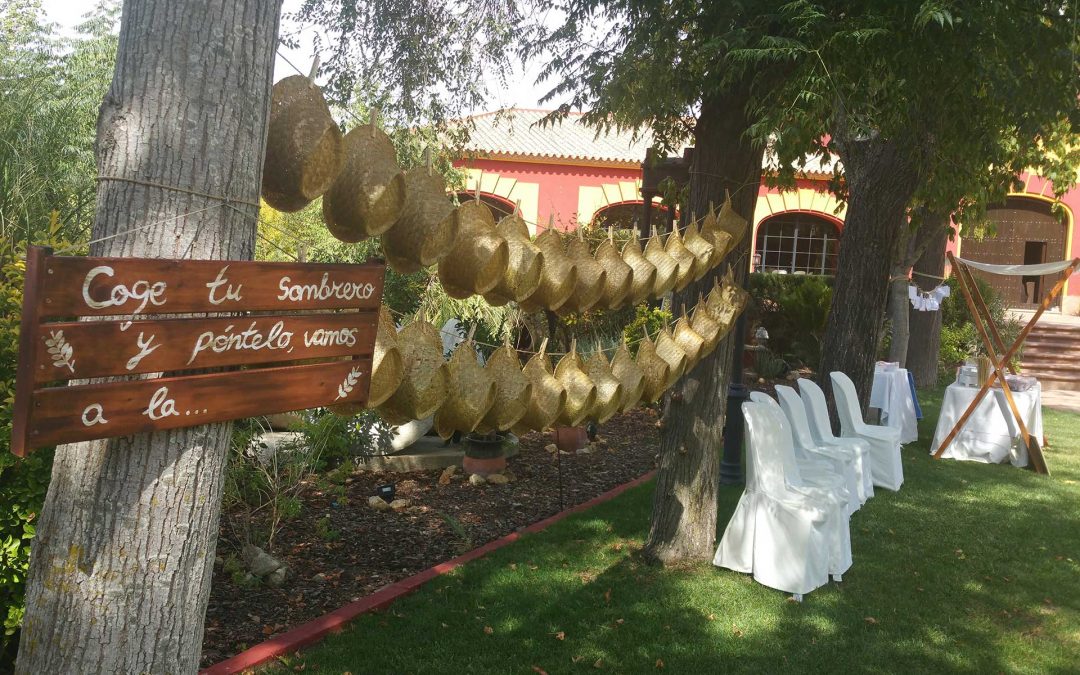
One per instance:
(591,277)
(369,193)
(656,370)
(423,387)
(303,145)
(618,275)
(732,223)
(720,240)
(689,341)
(427,227)
(670,351)
(513,391)
(644,278)
(580,390)
(667,269)
(479,257)
(726,302)
(609,391)
(547,398)
(525,267)
(558,276)
(630,376)
(387,368)
(702,249)
(675,248)
(705,325)
(471,393)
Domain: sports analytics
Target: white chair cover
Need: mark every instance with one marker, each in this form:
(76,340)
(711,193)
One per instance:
(817,413)
(884,442)
(815,469)
(846,461)
(789,537)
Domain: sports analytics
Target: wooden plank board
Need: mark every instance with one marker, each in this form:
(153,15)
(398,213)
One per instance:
(80,286)
(85,412)
(28,342)
(85,349)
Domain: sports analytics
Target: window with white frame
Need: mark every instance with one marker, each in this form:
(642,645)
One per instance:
(797,243)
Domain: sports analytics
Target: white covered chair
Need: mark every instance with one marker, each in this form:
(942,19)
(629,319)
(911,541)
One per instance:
(884,442)
(814,469)
(817,414)
(790,537)
(847,461)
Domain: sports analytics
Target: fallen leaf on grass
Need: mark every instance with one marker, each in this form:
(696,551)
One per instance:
(870,620)
(561,635)
(576,659)
(488,630)
(607,596)
(659,663)
(538,669)
(710,617)
(599,663)
(736,631)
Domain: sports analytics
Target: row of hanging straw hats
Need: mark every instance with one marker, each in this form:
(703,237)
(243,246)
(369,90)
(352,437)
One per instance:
(411,380)
(365,194)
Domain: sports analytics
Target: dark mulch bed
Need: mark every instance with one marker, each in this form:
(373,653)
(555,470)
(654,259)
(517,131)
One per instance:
(367,550)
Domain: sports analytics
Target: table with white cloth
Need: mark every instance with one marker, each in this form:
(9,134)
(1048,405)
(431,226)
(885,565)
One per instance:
(891,394)
(991,435)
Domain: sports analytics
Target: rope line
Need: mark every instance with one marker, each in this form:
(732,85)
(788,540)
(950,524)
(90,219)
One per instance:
(139,228)
(163,186)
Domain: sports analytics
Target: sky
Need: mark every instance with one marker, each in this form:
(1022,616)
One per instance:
(521,91)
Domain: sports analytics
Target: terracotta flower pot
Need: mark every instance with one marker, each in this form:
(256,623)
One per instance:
(570,439)
(484,454)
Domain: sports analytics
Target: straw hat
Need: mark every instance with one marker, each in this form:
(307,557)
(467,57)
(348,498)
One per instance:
(721,241)
(303,146)
(423,387)
(513,390)
(667,269)
(609,392)
(656,370)
(673,354)
(726,301)
(369,193)
(685,259)
(591,277)
(630,376)
(580,390)
(689,341)
(471,393)
(558,276)
(644,278)
(427,227)
(702,249)
(525,266)
(548,396)
(618,275)
(479,257)
(731,222)
(705,325)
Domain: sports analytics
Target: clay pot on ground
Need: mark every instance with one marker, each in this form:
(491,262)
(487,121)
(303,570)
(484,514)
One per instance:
(484,454)
(570,439)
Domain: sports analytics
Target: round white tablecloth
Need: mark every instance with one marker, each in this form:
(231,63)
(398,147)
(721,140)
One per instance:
(891,394)
(991,434)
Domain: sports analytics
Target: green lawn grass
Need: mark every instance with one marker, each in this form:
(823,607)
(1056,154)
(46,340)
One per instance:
(970,567)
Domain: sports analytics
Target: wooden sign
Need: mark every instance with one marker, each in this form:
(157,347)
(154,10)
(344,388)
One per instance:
(310,312)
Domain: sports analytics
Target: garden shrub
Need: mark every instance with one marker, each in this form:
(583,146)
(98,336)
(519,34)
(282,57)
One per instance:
(960,339)
(793,308)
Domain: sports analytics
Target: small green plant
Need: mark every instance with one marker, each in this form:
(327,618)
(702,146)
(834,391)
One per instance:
(794,310)
(769,365)
(463,541)
(324,529)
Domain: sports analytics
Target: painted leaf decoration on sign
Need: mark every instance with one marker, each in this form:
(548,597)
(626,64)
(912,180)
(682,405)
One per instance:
(60,350)
(346,387)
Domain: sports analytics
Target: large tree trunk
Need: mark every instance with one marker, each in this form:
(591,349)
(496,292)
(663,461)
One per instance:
(881,179)
(121,564)
(683,525)
(913,243)
(925,342)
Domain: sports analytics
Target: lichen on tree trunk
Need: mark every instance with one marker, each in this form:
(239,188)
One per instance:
(683,523)
(121,564)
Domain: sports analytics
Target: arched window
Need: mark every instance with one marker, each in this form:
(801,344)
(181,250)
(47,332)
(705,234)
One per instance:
(499,207)
(625,215)
(797,243)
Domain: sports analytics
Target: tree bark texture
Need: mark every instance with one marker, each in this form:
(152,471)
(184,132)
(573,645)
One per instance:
(120,568)
(925,342)
(912,245)
(683,524)
(881,178)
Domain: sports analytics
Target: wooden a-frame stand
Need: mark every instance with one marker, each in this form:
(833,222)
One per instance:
(994,343)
